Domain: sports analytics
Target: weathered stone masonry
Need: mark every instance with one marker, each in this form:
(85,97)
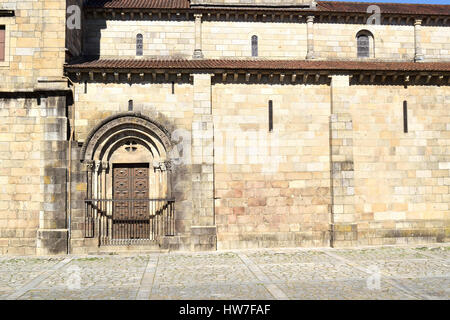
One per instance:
(194,110)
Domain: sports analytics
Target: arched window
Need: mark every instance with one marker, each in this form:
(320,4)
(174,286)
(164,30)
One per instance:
(139,44)
(364,41)
(254,46)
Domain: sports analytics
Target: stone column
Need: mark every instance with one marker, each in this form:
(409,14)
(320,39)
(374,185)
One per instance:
(417,39)
(89,169)
(105,165)
(168,191)
(343,220)
(158,180)
(104,205)
(203,232)
(89,166)
(310,30)
(198,54)
(161,170)
(96,188)
(96,178)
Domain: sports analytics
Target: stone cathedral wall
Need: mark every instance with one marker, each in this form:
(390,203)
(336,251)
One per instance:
(276,40)
(20,175)
(337,168)
(395,190)
(402,180)
(33,129)
(35,40)
(436,43)
(271,188)
(117,38)
(33,146)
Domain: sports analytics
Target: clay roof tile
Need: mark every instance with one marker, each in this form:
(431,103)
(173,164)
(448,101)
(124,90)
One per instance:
(258,64)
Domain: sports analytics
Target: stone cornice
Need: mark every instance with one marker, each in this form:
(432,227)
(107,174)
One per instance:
(262,15)
(402,74)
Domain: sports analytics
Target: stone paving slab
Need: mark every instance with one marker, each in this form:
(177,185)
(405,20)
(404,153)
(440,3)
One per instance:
(81,294)
(253,291)
(434,288)
(354,289)
(409,268)
(288,257)
(311,271)
(17,272)
(198,260)
(202,274)
(402,273)
(441,252)
(100,272)
(386,253)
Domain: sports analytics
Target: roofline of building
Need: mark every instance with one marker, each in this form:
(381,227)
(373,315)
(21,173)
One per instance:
(258,64)
(323,8)
(280,71)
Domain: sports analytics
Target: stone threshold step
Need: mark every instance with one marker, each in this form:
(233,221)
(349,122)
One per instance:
(108,250)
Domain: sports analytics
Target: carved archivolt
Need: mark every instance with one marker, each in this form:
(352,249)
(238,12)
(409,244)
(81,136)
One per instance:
(131,125)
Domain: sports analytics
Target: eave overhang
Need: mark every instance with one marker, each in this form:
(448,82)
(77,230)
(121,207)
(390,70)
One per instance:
(325,12)
(260,71)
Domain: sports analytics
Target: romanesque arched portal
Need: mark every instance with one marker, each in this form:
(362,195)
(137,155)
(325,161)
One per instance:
(128,197)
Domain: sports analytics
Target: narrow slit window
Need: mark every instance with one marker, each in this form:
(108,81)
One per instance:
(173,87)
(85,86)
(130,105)
(405,116)
(139,45)
(254,46)
(270,116)
(2,43)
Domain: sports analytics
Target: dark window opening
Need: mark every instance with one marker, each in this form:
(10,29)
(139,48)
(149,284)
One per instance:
(139,45)
(363,46)
(173,87)
(254,46)
(85,87)
(2,43)
(405,116)
(130,105)
(270,116)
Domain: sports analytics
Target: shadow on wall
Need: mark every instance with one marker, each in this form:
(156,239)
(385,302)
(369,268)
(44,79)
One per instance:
(92,36)
(92,39)
(74,36)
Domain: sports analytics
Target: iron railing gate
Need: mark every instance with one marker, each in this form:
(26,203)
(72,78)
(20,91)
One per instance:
(129,221)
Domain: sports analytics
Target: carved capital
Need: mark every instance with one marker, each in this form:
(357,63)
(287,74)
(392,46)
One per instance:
(88,165)
(169,165)
(97,165)
(105,165)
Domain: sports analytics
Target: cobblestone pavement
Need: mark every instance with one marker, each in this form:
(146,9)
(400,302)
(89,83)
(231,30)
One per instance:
(366,273)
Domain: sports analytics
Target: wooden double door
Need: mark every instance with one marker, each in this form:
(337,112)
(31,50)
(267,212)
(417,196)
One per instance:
(131,217)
